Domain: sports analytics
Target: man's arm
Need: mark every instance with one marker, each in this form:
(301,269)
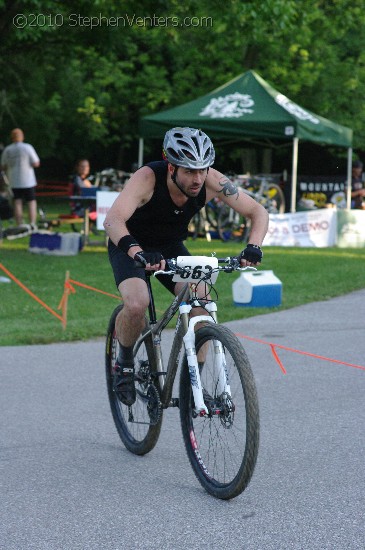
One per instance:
(136,192)
(34,158)
(358,193)
(218,185)
(4,165)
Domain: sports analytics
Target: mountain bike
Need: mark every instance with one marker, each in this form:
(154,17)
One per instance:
(217,397)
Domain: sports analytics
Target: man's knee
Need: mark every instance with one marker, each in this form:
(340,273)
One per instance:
(135,306)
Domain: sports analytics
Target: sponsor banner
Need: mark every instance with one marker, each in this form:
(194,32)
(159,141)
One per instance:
(351,228)
(315,191)
(315,228)
(104,200)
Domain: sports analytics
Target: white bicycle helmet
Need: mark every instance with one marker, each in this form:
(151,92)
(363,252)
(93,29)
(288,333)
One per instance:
(189,148)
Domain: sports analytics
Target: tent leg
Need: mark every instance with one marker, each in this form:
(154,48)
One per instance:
(294,175)
(140,152)
(349,178)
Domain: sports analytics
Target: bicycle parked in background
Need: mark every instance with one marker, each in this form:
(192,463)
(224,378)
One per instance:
(217,397)
(110,178)
(233,226)
(218,219)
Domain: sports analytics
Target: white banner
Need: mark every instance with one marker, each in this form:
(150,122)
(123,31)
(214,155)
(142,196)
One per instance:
(104,200)
(351,228)
(316,228)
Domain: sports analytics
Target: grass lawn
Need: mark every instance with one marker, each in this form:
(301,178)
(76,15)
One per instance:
(307,274)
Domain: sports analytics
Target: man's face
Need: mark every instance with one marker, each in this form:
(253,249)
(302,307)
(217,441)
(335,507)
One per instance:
(191,181)
(356,173)
(17,135)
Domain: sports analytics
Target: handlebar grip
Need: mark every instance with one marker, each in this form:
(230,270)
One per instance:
(137,263)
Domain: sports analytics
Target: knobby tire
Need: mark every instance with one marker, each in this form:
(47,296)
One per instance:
(134,425)
(222,448)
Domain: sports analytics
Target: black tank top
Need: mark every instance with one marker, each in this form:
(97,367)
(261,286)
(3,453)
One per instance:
(160,222)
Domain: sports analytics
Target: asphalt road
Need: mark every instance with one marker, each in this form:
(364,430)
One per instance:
(68,483)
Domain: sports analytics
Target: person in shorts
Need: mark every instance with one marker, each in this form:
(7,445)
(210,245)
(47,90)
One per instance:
(149,222)
(18,161)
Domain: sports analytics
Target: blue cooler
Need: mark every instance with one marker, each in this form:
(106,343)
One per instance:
(55,244)
(257,289)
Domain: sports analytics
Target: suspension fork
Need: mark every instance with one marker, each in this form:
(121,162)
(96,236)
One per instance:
(189,343)
(220,366)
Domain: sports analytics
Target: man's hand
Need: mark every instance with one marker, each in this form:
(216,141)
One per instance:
(251,255)
(151,260)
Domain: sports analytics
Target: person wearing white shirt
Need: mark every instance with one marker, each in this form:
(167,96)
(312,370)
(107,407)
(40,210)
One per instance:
(18,160)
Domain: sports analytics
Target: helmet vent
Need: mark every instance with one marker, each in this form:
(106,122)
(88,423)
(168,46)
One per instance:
(187,153)
(172,153)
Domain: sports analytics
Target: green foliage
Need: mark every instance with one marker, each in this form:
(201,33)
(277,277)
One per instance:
(79,77)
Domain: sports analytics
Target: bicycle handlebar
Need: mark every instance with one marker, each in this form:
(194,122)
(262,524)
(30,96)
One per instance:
(232,264)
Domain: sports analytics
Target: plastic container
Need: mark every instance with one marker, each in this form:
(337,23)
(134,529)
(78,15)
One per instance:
(55,244)
(257,289)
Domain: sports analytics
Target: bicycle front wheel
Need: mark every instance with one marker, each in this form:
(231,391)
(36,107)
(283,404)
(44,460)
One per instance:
(222,446)
(138,425)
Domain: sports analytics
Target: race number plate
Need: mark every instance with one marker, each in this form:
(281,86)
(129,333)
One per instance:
(196,267)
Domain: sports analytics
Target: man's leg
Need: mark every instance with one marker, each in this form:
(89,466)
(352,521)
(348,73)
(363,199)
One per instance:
(202,293)
(32,210)
(18,211)
(130,321)
(129,325)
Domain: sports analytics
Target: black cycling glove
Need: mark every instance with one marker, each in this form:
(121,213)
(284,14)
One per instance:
(252,253)
(151,258)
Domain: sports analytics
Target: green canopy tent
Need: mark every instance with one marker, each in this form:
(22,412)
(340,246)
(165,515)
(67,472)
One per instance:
(248,109)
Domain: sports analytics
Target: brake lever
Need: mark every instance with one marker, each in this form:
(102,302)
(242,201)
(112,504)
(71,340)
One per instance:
(162,272)
(251,267)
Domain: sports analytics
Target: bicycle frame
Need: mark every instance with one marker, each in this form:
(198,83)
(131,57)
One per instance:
(184,334)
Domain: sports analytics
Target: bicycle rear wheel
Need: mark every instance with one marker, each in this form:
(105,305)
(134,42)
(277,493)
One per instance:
(138,425)
(222,446)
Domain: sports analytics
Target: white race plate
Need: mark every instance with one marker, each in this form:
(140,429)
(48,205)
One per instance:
(195,268)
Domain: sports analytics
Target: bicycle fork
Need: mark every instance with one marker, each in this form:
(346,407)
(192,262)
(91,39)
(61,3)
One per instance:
(220,366)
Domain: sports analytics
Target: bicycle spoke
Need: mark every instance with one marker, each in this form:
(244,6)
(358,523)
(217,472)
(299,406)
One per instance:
(139,424)
(222,446)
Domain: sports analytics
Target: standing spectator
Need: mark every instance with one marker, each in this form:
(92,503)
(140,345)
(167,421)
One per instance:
(18,160)
(357,185)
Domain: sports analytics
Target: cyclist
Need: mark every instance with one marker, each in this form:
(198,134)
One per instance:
(149,222)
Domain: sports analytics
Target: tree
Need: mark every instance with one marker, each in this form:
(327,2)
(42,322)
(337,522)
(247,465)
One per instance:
(79,79)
